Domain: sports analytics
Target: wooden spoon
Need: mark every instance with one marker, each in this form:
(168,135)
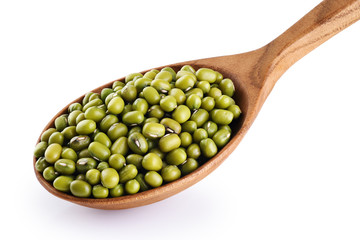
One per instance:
(254,74)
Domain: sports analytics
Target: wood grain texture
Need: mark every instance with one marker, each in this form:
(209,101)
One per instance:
(254,74)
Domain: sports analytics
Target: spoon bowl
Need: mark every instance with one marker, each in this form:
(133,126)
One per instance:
(254,75)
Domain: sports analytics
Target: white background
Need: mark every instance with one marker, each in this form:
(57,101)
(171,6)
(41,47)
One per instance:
(295,175)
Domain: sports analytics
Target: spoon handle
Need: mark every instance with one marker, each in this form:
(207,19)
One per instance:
(319,25)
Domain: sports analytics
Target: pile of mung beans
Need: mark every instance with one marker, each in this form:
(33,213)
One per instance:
(139,134)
